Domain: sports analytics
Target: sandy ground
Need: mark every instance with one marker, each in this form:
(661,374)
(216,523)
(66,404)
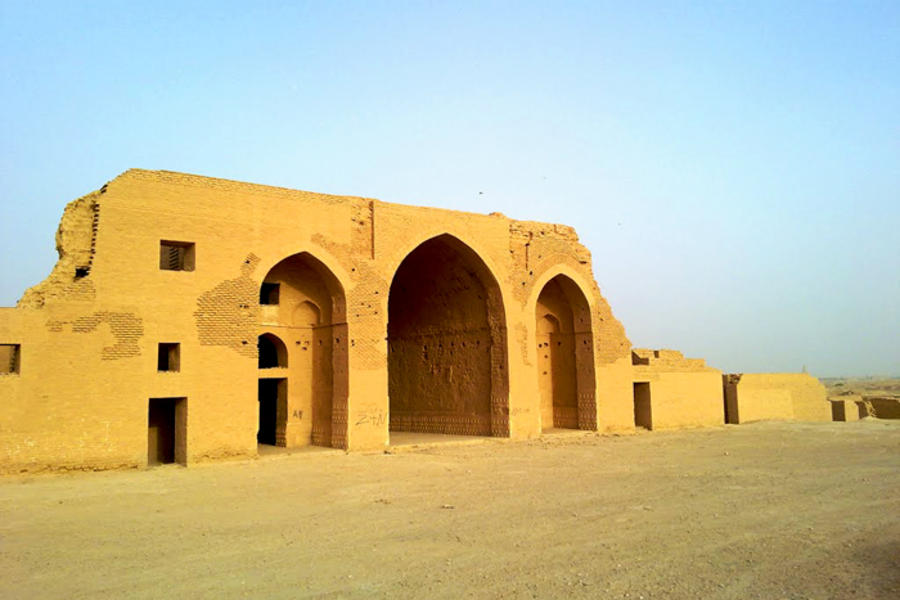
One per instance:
(767,510)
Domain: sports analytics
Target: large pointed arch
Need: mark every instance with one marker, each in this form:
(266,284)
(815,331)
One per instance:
(304,304)
(447,342)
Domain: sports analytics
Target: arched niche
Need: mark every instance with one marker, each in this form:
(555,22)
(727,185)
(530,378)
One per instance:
(565,356)
(447,354)
(272,351)
(308,312)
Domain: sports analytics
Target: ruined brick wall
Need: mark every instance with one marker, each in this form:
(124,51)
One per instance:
(538,248)
(845,408)
(90,332)
(76,240)
(683,392)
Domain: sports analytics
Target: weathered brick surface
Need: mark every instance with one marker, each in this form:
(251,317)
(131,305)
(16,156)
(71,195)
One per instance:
(89,332)
(683,392)
(775,396)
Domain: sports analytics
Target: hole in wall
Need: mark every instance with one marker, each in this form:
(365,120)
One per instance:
(10,357)
(168,357)
(176,256)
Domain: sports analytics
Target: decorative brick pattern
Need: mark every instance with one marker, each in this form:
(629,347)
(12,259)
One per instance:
(228,314)
(364,303)
(127,328)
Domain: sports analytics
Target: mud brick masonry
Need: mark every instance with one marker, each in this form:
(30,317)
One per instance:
(191,319)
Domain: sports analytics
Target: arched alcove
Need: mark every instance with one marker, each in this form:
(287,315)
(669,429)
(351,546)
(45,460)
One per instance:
(447,357)
(565,357)
(309,315)
(272,351)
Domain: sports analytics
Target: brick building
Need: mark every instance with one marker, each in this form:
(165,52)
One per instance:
(191,319)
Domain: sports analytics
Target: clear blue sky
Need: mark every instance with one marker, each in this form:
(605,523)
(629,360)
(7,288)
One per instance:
(733,167)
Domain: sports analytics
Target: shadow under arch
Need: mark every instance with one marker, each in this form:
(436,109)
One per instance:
(565,355)
(272,351)
(447,343)
(306,308)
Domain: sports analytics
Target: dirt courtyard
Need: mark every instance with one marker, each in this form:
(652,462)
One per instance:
(766,510)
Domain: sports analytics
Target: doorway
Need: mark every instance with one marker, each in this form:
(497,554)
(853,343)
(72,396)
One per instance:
(166,431)
(272,411)
(643,416)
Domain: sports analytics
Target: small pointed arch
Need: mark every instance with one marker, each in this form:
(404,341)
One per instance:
(565,347)
(302,277)
(272,351)
(306,314)
(447,361)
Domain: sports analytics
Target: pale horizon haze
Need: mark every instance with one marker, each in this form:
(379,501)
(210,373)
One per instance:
(734,168)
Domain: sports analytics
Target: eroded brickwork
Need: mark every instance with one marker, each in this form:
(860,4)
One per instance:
(365,299)
(450,321)
(228,314)
(126,328)
(76,240)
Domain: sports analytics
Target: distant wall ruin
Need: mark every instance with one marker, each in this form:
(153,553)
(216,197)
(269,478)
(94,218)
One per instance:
(775,396)
(671,391)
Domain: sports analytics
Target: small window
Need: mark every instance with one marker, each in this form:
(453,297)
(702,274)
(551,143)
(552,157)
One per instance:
(269,293)
(9,359)
(176,256)
(169,357)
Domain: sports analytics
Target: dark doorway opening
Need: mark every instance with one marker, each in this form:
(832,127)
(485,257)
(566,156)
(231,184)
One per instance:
(166,431)
(643,416)
(272,394)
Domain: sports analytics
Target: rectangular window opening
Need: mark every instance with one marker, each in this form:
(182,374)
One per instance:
(167,431)
(169,357)
(269,292)
(176,256)
(9,359)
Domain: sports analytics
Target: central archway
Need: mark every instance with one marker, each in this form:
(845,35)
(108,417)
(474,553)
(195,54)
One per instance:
(447,358)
